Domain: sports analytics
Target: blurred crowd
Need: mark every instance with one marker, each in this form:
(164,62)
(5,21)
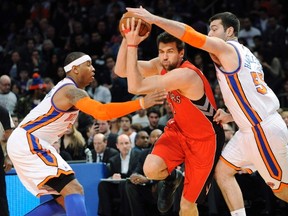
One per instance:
(36,35)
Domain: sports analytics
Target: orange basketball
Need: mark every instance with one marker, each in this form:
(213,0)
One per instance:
(144,28)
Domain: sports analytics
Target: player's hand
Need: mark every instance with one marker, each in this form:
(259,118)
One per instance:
(222,117)
(157,97)
(131,32)
(7,164)
(143,14)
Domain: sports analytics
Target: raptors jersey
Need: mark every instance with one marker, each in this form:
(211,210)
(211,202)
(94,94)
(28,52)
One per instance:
(47,122)
(194,119)
(246,95)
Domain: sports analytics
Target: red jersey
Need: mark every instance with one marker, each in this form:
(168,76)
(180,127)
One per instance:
(194,118)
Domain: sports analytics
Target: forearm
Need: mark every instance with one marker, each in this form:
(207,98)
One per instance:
(134,77)
(107,111)
(120,66)
(174,28)
(182,31)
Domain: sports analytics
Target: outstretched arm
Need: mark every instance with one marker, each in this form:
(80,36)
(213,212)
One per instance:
(83,102)
(184,32)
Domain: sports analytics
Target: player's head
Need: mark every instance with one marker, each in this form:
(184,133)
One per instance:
(168,38)
(224,25)
(170,51)
(79,66)
(75,59)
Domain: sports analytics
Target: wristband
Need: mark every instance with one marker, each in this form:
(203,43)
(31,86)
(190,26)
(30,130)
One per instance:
(132,45)
(141,101)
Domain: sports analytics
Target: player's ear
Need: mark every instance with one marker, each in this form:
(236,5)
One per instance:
(230,31)
(75,69)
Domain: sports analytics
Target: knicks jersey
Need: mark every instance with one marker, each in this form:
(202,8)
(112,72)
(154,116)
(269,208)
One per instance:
(47,122)
(193,119)
(246,95)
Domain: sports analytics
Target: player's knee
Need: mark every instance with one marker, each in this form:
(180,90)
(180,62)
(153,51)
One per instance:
(73,187)
(149,170)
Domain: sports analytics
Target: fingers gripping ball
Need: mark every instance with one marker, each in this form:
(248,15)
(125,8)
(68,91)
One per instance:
(144,28)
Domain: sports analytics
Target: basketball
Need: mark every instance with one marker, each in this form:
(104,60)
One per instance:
(144,28)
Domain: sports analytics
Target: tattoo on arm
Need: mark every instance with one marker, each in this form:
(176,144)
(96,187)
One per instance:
(75,94)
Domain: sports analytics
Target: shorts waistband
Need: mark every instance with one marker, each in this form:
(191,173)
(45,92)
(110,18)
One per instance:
(264,122)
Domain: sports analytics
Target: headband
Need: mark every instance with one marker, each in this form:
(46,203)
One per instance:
(77,62)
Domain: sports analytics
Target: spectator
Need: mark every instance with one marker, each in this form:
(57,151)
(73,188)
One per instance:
(248,32)
(154,135)
(12,67)
(125,128)
(104,128)
(74,143)
(49,83)
(168,114)
(99,92)
(64,154)
(121,166)
(141,141)
(101,152)
(7,98)
(140,117)
(153,116)
(37,91)
(275,38)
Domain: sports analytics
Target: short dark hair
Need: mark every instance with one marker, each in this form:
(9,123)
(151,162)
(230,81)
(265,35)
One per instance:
(153,110)
(73,56)
(168,38)
(127,116)
(228,20)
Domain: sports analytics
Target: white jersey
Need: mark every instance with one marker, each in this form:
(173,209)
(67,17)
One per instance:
(246,95)
(30,145)
(46,121)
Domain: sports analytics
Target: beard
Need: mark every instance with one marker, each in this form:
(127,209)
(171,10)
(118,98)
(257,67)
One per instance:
(170,66)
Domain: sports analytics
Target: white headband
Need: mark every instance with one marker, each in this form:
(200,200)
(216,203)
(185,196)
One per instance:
(77,62)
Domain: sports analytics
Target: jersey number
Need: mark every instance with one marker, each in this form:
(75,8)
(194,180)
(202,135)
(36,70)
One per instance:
(259,82)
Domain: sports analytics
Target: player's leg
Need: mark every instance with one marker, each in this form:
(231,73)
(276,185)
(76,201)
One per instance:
(72,192)
(188,208)
(48,208)
(160,165)
(155,167)
(225,177)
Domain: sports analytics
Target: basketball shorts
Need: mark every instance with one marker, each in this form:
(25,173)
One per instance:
(35,161)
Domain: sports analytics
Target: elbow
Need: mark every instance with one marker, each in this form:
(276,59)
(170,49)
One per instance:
(132,90)
(119,73)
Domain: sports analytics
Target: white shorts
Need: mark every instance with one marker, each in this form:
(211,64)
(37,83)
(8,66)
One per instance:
(35,161)
(263,148)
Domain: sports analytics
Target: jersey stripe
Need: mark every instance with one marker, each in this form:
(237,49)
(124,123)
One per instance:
(266,153)
(236,89)
(50,116)
(36,148)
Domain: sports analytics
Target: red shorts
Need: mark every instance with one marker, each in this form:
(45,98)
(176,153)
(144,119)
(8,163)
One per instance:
(198,157)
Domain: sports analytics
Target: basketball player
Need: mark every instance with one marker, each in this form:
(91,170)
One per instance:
(39,167)
(6,128)
(261,141)
(190,137)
